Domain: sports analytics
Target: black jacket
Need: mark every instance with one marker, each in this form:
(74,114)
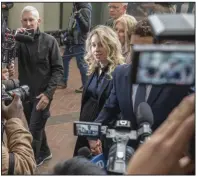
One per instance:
(40,65)
(5,11)
(103,96)
(162,99)
(83,18)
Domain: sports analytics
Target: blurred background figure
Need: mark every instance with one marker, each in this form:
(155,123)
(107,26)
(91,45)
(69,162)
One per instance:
(78,28)
(188,6)
(125,28)
(5,6)
(116,10)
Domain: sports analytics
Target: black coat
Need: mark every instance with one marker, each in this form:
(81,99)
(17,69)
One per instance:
(5,11)
(84,21)
(40,65)
(103,96)
(162,99)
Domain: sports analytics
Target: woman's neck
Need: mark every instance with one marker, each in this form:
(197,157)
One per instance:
(103,64)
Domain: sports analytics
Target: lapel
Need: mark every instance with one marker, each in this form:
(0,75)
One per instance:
(104,86)
(85,89)
(128,88)
(155,91)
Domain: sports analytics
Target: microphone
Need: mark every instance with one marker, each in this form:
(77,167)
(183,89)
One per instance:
(23,38)
(85,152)
(99,160)
(145,121)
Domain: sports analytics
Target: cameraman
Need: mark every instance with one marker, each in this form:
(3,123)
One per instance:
(162,99)
(5,7)
(163,153)
(17,156)
(79,26)
(40,67)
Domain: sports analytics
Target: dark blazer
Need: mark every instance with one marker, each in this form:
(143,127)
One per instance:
(161,99)
(103,96)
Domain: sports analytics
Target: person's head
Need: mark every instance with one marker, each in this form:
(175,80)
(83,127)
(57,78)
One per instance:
(30,18)
(117,9)
(125,27)
(77,166)
(143,33)
(103,47)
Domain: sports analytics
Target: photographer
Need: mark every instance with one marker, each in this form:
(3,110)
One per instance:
(17,156)
(163,153)
(5,6)
(162,99)
(40,67)
(78,28)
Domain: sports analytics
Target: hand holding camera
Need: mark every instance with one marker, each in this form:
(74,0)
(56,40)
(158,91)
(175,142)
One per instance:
(5,74)
(11,69)
(13,110)
(24,35)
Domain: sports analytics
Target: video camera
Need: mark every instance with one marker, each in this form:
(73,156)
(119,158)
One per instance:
(122,136)
(169,63)
(11,87)
(117,161)
(8,50)
(8,46)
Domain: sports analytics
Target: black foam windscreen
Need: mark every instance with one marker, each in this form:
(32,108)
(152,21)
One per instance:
(144,114)
(23,38)
(85,152)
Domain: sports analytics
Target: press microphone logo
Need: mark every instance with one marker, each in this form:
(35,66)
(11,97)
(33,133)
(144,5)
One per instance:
(100,163)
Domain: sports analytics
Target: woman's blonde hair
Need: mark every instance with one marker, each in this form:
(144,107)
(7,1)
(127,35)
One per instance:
(129,23)
(109,40)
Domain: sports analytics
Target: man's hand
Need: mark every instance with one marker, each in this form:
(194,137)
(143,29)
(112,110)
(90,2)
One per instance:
(95,146)
(163,153)
(44,101)
(11,69)
(21,30)
(13,110)
(76,14)
(5,74)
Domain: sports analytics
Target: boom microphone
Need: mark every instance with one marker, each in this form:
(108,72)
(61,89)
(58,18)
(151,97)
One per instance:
(145,121)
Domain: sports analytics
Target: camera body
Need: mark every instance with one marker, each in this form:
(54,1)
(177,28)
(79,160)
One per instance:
(25,36)
(171,63)
(171,59)
(11,87)
(119,153)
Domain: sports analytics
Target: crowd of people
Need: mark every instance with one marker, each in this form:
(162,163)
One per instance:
(104,58)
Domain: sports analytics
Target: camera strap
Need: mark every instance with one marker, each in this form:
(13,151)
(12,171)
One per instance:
(11,164)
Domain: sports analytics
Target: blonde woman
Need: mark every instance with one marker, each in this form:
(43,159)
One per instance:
(103,54)
(125,27)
